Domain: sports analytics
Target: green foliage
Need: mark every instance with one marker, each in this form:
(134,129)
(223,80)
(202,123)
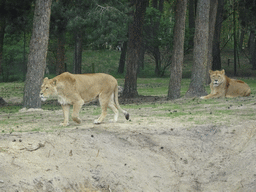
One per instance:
(247,14)
(14,61)
(110,22)
(17,16)
(99,21)
(158,35)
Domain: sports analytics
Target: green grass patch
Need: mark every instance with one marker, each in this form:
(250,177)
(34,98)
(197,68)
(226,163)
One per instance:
(51,107)
(14,89)
(10,109)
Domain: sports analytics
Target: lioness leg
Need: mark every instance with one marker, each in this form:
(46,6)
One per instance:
(76,108)
(104,102)
(216,95)
(112,106)
(65,109)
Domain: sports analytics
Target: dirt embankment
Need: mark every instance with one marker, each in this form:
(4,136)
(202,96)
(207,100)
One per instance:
(148,153)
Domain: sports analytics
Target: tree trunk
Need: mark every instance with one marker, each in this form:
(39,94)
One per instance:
(196,87)
(60,63)
(216,62)
(251,44)
(254,59)
(156,54)
(155,29)
(37,55)
(191,22)
(235,39)
(77,65)
(212,22)
(253,51)
(134,47)
(2,31)
(243,30)
(178,50)
(142,56)
(122,58)
(24,63)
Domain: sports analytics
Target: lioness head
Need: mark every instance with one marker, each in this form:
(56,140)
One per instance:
(217,77)
(48,89)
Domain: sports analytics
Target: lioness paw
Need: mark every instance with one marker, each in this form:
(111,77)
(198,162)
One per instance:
(96,121)
(64,124)
(203,97)
(77,120)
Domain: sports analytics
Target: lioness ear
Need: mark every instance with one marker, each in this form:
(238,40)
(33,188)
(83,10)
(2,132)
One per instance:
(223,71)
(210,71)
(54,82)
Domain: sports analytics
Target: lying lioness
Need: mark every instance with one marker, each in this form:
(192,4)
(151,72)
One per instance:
(77,89)
(222,86)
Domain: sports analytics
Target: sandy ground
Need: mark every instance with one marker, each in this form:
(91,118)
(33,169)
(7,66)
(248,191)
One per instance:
(151,152)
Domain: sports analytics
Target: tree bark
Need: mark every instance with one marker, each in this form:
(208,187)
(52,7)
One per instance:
(196,87)
(178,50)
(60,63)
(37,55)
(134,47)
(212,22)
(122,58)
(216,62)
(77,65)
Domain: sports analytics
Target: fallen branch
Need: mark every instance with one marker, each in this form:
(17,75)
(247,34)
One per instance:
(37,147)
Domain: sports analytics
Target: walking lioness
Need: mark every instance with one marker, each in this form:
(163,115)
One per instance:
(222,86)
(77,89)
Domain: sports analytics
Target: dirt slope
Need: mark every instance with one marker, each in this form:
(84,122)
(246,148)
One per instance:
(118,157)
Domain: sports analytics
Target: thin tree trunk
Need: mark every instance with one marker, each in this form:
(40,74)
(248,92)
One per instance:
(134,47)
(191,22)
(250,39)
(37,55)
(253,50)
(60,63)
(24,66)
(178,50)
(2,31)
(212,22)
(142,56)
(196,87)
(122,58)
(77,65)
(155,29)
(216,62)
(156,54)
(242,38)
(235,39)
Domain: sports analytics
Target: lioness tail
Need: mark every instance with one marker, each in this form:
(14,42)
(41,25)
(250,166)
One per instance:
(126,114)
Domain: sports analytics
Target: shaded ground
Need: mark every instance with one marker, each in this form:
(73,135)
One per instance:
(181,145)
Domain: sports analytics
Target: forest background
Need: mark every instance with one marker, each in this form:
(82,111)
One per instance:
(128,39)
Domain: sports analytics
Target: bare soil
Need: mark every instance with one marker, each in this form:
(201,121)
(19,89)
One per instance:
(201,149)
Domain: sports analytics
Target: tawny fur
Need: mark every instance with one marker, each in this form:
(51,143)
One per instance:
(78,89)
(222,86)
